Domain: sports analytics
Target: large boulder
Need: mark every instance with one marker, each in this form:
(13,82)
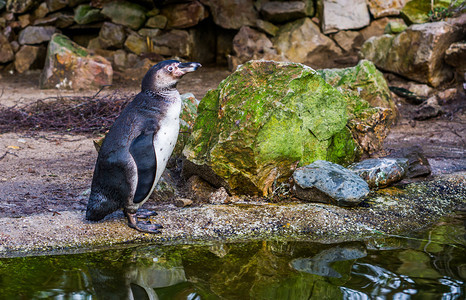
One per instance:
(416,53)
(343,14)
(301,41)
(263,121)
(232,14)
(70,66)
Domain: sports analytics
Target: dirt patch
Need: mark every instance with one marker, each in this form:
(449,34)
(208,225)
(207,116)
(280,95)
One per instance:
(43,171)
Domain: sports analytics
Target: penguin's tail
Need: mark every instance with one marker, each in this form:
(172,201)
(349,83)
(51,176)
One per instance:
(99,206)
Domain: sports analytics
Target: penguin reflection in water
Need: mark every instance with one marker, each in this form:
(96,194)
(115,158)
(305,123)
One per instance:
(137,147)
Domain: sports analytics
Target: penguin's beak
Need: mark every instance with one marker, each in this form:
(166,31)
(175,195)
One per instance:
(188,67)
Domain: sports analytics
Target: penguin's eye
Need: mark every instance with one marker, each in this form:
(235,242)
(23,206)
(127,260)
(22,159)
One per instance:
(170,68)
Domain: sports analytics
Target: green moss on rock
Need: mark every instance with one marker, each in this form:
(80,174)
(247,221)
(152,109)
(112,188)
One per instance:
(263,121)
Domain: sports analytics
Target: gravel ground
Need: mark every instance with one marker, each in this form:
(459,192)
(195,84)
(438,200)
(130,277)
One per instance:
(388,212)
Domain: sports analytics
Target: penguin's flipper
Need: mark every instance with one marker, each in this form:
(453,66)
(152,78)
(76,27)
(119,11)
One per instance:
(143,152)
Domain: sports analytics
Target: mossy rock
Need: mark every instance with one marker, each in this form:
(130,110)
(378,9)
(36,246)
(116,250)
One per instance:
(262,122)
(85,14)
(419,11)
(70,66)
(370,106)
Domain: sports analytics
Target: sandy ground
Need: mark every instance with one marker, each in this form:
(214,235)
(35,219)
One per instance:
(44,176)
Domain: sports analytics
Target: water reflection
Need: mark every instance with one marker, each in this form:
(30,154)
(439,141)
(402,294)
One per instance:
(382,269)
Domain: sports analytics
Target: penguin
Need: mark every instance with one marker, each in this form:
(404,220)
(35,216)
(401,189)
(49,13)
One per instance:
(137,147)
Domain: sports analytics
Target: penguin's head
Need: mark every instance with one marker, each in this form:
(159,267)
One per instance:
(165,74)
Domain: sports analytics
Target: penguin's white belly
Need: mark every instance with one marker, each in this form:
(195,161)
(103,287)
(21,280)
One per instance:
(164,143)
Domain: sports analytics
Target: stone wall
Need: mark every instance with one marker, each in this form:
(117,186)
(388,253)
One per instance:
(132,35)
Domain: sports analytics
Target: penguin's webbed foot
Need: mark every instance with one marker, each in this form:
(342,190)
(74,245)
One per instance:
(142,226)
(145,213)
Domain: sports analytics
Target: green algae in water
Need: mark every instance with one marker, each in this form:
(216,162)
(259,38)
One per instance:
(427,266)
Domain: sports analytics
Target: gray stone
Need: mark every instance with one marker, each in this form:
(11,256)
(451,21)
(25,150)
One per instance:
(348,40)
(158,21)
(418,165)
(381,172)
(173,43)
(41,11)
(339,15)
(59,20)
(20,6)
(6,52)
(428,109)
(32,35)
(232,14)
(29,57)
(136,44)
(112,35)
(417,53)
(384,8)
(54,5)
(184,15)
(455,56)
(120,59)
(95,44)
(376,28)
(326,182)
(24,20)
(125,13)
(15,46)
(250,44)
(281,12)
(150,32)
(420,90)
(267,27)
(301,41)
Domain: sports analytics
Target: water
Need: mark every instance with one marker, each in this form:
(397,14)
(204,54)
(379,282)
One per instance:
(431,265)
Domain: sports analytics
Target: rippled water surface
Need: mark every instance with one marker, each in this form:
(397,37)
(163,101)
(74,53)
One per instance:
(431,265)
